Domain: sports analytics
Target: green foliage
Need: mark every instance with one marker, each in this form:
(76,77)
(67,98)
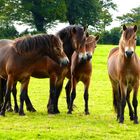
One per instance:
(83,12)
(42,14)
(36,13)
(7,31)
(101,124)
(113,37)
(105,17)
(110,37)
(131,18)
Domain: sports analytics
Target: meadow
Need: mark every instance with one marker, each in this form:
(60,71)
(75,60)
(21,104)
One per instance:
(101,124)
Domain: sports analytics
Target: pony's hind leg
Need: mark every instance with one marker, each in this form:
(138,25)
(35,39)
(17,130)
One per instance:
(9,105)
(2,91)
(123,89)
(135,102)
(29,105)
(14,91)
(9,86)
(23,95)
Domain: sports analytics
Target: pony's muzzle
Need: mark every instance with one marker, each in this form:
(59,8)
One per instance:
(89,55)
(129,53)
(82,57)
(64,61)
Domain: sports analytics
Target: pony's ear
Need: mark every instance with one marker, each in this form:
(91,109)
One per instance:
(87,34)
(85,28)
(62,35)
(124,27)
(135,28)
(74,30)
(97,37)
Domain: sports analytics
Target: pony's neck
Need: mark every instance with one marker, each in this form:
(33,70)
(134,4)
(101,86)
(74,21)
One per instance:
(68,49)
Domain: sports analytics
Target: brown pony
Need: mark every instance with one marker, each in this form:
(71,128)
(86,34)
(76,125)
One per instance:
(123,70)
(81,72)
(17,61)
(73,38)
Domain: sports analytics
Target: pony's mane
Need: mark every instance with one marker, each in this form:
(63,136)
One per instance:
(90,39)
(32,43)
(128,33)
(66,33)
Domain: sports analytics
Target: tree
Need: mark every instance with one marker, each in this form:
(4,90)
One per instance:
(131,18)
(7,31)
(83,12)
(105,15)
(110,37)
(39,14)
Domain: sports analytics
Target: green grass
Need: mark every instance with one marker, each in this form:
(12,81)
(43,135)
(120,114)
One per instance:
(101,124)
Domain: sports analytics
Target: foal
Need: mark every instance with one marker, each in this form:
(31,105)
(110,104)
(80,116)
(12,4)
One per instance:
(81,72)
(123,70)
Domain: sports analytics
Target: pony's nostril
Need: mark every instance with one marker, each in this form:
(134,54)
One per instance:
(129,53)
(89,56)
(64,61)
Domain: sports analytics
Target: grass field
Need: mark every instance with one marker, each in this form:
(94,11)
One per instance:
(101,124)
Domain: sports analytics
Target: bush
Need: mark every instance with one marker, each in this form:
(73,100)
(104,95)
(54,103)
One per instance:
(8,32)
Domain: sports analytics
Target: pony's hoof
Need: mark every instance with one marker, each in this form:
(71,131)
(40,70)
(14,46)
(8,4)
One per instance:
(2,113)
(21,114)
(16,110)
(136,122)
(69,112)
(56,111)
(51,111)
(131,118)
(121,121)
(87,113)
(31,109)
(9,109)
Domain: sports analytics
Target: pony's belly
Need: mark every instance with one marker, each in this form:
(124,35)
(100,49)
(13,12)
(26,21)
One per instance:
(40,75)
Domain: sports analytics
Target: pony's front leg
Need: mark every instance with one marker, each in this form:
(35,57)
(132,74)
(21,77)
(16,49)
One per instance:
(68,90)
(86,95)
(135,102)
(23,95)
(2,91)
(9,86)
(123,89)
(73,95)
(50,105)
(131,113)
(57,94)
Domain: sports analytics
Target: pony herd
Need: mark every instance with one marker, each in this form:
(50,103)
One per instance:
(67,54)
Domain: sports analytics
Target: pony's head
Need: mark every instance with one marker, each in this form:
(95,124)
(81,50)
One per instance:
(73,38)
(59,53)
(91,45)
(42,44)
(128,41)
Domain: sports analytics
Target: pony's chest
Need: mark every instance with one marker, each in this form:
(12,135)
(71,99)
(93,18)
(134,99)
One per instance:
(129,77)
